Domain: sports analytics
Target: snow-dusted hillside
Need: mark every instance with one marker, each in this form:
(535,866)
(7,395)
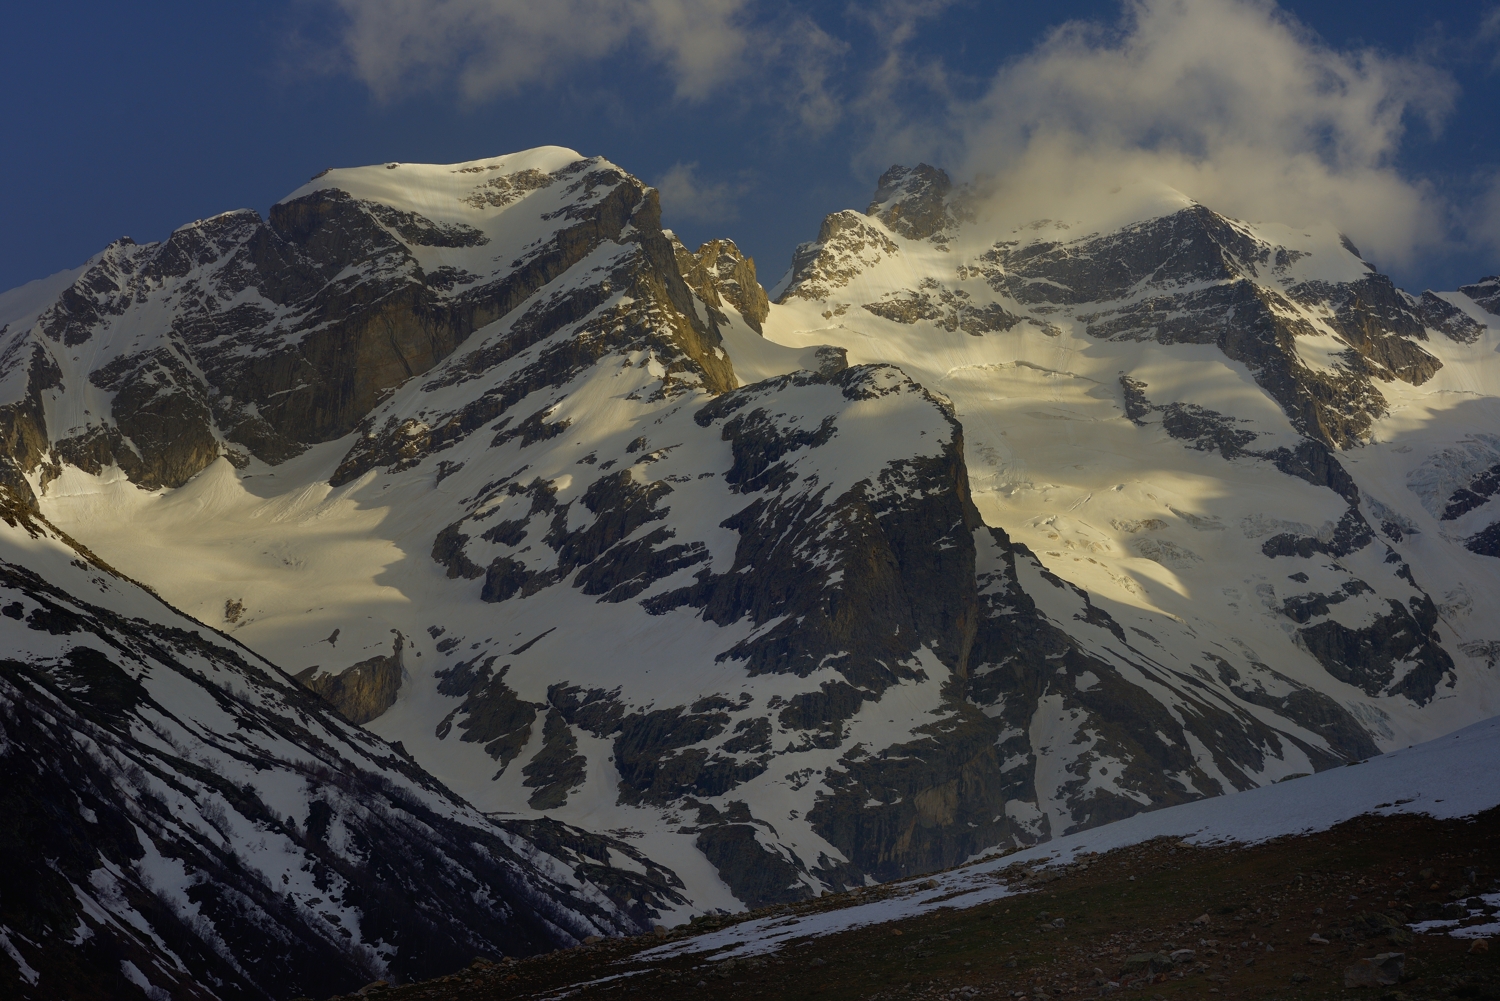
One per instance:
(1450,777)
(181,816)
(978,535)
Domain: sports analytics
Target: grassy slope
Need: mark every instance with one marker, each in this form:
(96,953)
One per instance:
(1134,900)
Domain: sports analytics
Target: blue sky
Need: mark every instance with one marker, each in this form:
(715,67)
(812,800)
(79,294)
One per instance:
(757,117)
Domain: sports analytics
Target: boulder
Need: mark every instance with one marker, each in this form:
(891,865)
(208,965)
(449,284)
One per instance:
(1377,971)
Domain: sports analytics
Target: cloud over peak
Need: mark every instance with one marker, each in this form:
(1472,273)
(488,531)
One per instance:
(491,47)
(1234,103)
(1231,102)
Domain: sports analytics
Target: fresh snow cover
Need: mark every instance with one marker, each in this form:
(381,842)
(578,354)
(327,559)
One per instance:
(206,716)
(1446,778)
(1121,517)
(1053,460)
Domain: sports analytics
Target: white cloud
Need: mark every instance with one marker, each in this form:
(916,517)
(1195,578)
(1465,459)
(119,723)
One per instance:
(684,198)
(1228,101)
(490,47)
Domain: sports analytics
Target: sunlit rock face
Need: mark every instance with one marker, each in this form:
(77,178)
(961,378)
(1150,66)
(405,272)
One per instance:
(978,533)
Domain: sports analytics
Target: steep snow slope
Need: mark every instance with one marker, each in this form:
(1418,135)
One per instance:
(182,817)
(509,475)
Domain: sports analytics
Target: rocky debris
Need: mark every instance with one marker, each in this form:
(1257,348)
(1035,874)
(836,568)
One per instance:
(1378,971)
(1147,962)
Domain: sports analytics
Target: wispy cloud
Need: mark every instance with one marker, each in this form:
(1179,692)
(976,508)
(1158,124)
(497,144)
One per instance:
(1489,35)
(484,49)
(491,47)
(686,198)
(1231,102)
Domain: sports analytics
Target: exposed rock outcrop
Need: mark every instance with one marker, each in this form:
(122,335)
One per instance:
(718,271)
(1485,293)
(362,691)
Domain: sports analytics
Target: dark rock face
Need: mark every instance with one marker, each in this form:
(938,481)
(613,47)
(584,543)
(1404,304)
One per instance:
(1206,430)
(719,273)
(914,202)
(846,245)
(892,577)
(331,310)
(558,768)
(641,304)
(1485,293)
(1365,656)
(362,691)
(758,876)
(949,309)
(24,443)
(493,714)
(1475,495)
(139,748)
(1485,542)
(1370,657)
(1146,264)
(1442,315)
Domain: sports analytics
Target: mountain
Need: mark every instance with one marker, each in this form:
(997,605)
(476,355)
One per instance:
(978,534)
(183,820)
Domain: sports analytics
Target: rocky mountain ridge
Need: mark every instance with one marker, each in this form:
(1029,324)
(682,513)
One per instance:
(970,537)
(185,821)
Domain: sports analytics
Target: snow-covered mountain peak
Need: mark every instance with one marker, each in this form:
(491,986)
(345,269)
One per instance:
(985,530)
(451,190)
